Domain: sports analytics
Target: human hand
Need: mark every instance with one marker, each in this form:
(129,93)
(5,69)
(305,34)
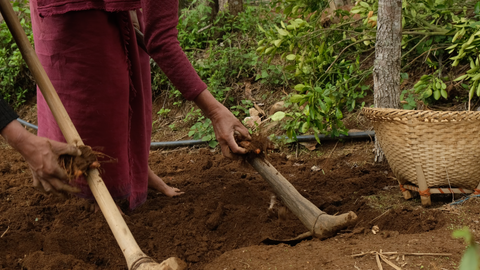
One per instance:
(42,156)
(225,124)
(227,127)
(155,182)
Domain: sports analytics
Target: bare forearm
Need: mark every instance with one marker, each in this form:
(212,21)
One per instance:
(17,136)
(208,104)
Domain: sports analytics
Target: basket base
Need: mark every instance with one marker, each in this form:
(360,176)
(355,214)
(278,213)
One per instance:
(425,194)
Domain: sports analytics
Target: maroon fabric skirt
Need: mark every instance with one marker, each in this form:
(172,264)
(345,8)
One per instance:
(103,80)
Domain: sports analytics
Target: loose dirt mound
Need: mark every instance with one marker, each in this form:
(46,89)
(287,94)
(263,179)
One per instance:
(222,219)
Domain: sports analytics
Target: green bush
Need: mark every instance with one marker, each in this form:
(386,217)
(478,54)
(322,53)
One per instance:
(15,80)
(222,51)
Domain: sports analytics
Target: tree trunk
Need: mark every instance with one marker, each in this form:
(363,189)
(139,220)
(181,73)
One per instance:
(232,6)
(386,72)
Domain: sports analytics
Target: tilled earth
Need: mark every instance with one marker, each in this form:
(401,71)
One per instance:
(222,220)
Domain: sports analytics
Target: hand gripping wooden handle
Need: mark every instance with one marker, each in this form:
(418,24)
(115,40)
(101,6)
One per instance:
(134,256)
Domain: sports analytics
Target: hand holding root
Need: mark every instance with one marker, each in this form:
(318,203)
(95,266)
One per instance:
(42,156)
(225,124)
(48,175)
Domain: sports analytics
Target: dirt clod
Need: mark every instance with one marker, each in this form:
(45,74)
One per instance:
(215,218)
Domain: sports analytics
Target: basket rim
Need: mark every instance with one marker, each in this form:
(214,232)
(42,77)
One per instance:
(389,114)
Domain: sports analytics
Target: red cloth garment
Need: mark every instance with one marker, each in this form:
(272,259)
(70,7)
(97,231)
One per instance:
(103,80)
(57,7)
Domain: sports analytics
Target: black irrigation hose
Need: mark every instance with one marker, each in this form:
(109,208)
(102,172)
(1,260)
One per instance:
(303,138)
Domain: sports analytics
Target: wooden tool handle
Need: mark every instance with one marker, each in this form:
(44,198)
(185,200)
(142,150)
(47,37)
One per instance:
(305,210)
(124,237)
(319,223)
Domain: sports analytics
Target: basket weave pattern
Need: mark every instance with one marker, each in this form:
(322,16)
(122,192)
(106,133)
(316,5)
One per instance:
(444,143)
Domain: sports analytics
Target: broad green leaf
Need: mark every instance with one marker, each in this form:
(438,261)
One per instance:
(363,4)
(261,28)
(261,49)
(291,57)
(305,127)
(299,87)
(452,47)
(469,259)
(278,116)
(277,42)
(282,32)
(322,105)
(436,94)
(269,49)
(356,9)
(213,144)
(427,93)
(296,98)
(339,114)
(460,78)
(264,74)
(444,93)
(328,100)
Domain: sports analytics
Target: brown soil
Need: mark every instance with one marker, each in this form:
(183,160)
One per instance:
(223,217)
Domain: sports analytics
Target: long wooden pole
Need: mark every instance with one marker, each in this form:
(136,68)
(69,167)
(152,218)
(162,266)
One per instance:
(319,223)
(132,252)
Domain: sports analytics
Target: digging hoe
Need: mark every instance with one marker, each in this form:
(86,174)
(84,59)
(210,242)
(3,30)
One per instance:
(319,223)
(134,256)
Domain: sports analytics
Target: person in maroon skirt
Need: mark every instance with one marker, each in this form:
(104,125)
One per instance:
(90,53)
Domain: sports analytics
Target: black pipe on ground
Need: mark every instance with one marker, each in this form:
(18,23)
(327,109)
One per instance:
(302,138)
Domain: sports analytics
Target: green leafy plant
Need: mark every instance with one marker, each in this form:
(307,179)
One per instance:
(15,80)
(470,259)
(163,112)
(318,109)
(203,130)
(429,86)
(242,109)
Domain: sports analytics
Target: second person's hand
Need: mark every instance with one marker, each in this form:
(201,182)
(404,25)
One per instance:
(225,124)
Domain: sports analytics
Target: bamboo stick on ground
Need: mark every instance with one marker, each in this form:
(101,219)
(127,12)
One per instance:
(319,223)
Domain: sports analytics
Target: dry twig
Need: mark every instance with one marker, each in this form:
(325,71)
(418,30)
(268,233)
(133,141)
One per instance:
(384,258)
(402,253)
(379,263)
(332,150)
(5,232)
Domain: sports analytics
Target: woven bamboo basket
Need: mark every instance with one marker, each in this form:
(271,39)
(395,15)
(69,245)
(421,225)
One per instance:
(445,144)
